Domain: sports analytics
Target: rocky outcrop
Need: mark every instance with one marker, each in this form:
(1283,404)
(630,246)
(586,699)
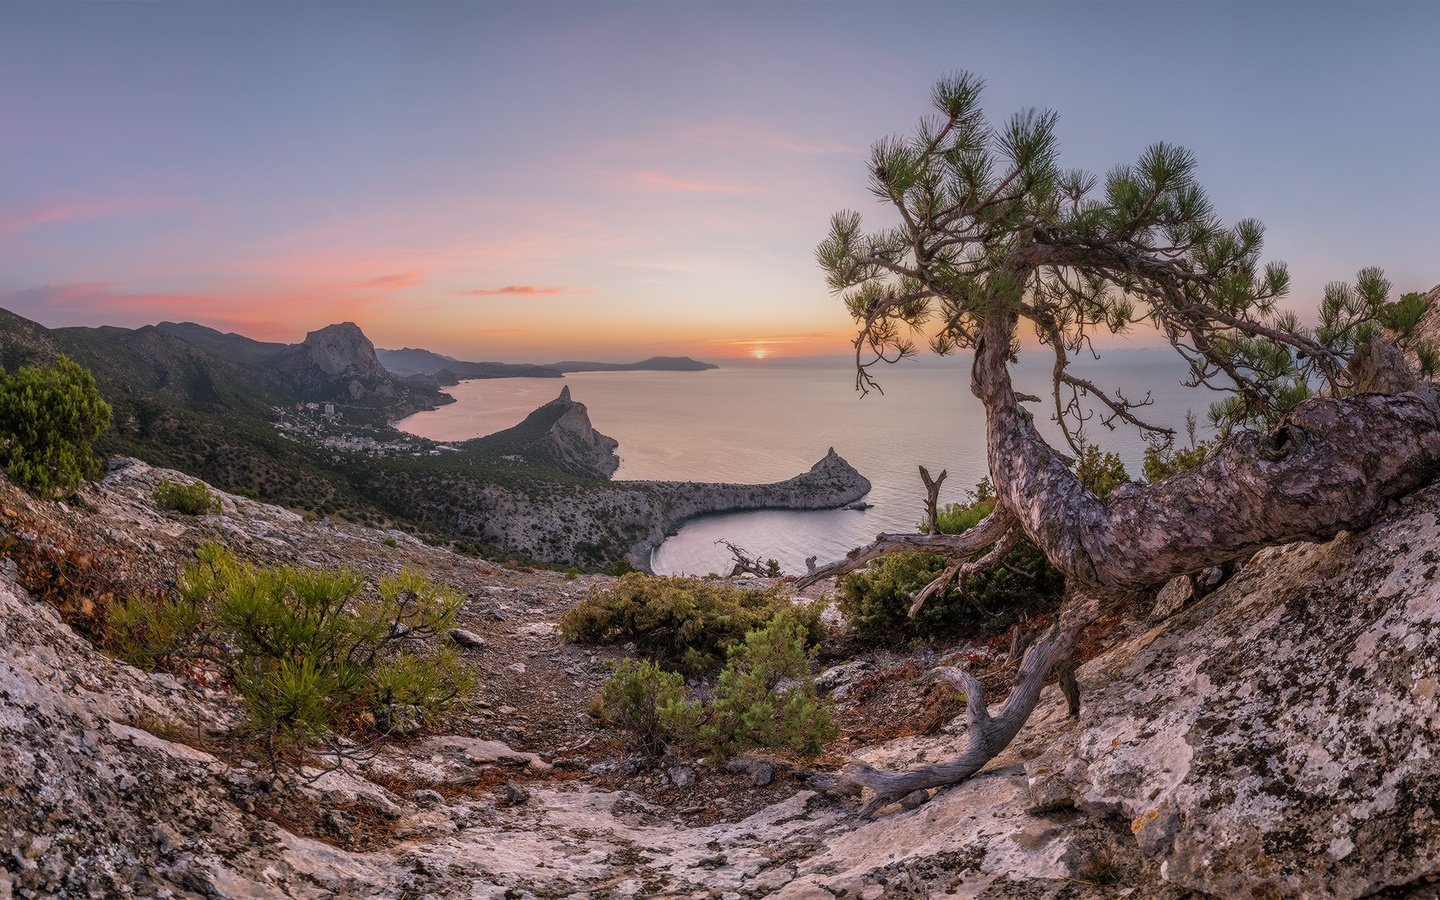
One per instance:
(1277,738)
(338,362)
(1429,326)
(829,484)
(570,441)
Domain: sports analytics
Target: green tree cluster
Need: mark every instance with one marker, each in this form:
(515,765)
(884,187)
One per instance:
(49,418)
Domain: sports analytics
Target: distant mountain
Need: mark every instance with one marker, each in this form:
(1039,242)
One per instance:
(338,362)
(193,398)
(411,361)
(653,364)
(228,345)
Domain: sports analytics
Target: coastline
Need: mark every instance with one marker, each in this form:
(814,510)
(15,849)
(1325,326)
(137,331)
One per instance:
(832,483)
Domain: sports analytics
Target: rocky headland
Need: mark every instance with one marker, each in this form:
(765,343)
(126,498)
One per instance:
(1272,739)
(585,518)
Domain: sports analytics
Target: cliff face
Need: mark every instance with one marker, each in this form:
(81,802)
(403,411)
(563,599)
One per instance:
(338,362)
(571,442)
(1429,326)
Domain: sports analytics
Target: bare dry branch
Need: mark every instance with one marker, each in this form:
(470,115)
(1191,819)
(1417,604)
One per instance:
(956,546)
(987,734)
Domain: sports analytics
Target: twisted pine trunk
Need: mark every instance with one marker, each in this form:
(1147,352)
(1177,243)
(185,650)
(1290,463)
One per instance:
(1332,464)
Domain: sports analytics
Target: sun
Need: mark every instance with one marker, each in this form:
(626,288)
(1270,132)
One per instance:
(759,352)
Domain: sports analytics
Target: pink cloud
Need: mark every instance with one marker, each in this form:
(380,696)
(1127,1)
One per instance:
(664,181)
(525,290)
(43,216)
(393,282)
(64,211)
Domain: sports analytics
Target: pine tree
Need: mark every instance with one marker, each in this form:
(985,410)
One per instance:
(49,418)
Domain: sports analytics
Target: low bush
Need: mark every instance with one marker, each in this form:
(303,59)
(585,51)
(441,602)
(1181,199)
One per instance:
(152,632)
(684,622)
(876,600)
(313,653)
(763,699)
(646,701)
(1100,472)
(194,499)
(1162,461)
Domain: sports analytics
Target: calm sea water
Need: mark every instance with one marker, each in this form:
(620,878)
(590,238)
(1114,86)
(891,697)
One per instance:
(765,422)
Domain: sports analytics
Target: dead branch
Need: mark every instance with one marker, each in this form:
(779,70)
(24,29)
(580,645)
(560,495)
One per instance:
(959,571)
(932,499)
(986,735)
(745,564)
(963,546)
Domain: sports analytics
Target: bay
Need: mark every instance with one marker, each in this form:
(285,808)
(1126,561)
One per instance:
(769,420)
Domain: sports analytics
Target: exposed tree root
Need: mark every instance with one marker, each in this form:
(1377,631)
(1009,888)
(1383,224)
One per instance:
(986,734)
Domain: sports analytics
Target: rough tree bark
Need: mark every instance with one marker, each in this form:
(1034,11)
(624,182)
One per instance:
(1332,464)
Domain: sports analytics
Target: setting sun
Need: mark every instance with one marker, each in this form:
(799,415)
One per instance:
(759,352)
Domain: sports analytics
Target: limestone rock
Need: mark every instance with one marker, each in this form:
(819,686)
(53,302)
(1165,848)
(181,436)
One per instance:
(469,640)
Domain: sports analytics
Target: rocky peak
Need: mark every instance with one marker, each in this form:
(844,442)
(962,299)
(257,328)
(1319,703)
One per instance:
(338,362)
(343,351)
(574,442)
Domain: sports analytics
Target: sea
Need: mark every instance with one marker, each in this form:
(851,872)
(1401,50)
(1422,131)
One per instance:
(767,420)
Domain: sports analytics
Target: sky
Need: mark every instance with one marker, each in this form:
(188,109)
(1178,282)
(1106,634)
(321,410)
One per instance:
(539,181)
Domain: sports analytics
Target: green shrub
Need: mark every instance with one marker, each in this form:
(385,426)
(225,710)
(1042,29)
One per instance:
(1100,472)
(876,600)
(689,622)
(571,574)
(194,499)
(954,518)
(648,702)
(309,628)
(765,697)
(313,653)
(49,417)
(1162,462)
(152,632)
(390,542)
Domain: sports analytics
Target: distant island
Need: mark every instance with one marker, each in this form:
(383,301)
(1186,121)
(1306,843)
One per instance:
(413,361)
(653,364)
(409,362)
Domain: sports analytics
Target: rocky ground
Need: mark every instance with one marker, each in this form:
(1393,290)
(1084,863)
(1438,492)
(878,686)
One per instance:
(1274,739)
